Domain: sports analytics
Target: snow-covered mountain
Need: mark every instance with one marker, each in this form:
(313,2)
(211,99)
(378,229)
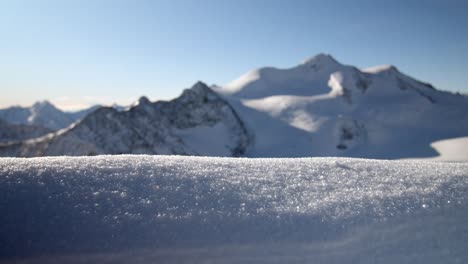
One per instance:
(324,108)
(199,122)
(42,114)
(14,132)
(317,108)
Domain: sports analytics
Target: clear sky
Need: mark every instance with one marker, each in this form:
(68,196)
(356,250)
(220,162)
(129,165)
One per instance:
(81,52)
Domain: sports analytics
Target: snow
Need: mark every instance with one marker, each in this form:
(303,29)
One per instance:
(307,79)
(450,150)
(175,209)
(379,68)
(323,108)
(211,140)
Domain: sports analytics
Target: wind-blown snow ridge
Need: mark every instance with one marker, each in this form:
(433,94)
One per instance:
(326,205)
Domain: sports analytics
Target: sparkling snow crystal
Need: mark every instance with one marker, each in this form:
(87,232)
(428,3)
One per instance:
(192,209)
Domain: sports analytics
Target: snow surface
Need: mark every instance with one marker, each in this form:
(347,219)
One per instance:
(174,209)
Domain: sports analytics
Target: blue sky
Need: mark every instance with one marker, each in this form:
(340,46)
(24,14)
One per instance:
(77,53)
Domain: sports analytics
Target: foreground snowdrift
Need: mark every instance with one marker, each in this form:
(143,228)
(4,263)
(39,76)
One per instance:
(172,209)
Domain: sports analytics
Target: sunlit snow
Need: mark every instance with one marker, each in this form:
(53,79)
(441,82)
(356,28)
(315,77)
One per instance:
(174,209)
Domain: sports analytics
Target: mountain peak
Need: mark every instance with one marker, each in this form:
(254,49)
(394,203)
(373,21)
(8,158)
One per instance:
(200,88)
(143,100)
(42,105)
(142,103)
(199,85)
(199,91)
(320,59)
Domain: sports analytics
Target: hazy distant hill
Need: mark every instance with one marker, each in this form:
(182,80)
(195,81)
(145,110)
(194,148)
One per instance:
(42,114)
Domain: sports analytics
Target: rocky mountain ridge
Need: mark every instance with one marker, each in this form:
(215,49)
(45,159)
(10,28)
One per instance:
(187,125)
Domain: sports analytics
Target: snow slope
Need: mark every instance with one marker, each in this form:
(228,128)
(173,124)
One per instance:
(324,108)
(455,149)
(271,81)
(173,209)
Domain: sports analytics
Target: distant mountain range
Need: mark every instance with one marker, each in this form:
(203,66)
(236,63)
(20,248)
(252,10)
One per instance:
(20,123)
(199,122)
(42,114)
(317,108)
